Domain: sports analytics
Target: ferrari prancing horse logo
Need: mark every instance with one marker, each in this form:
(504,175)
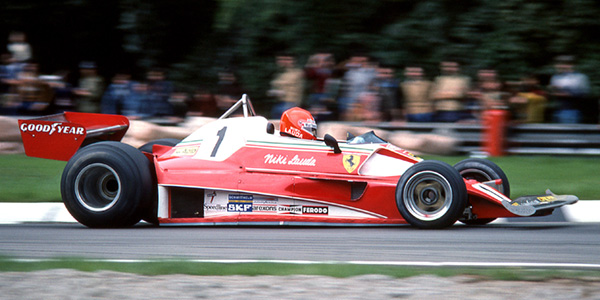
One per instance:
(351,161)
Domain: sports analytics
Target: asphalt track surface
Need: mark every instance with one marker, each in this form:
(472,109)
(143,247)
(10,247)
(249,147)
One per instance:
(524,242)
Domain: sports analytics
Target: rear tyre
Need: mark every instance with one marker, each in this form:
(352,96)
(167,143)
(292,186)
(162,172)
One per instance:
(107,184)
(150,213)
(431,194)
(482,170)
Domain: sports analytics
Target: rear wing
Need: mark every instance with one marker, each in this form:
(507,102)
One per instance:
(60,136)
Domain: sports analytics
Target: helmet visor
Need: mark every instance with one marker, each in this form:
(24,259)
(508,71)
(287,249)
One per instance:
(309,126)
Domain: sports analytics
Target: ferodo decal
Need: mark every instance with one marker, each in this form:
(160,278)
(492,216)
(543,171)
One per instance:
(52,128)
(315,210)
(351,162)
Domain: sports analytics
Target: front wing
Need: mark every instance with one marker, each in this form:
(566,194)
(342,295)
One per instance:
(538,205)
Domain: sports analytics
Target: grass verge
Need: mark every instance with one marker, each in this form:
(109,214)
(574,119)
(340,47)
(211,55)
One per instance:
(339,270)
(29,179)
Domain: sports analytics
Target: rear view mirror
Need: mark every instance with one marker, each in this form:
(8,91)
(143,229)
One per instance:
(332,142)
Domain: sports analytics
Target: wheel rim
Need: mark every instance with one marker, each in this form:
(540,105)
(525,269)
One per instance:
(427,196)
(480,176)
(476,174)
(97,187)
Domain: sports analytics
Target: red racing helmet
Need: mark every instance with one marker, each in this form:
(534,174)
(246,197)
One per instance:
(298,122)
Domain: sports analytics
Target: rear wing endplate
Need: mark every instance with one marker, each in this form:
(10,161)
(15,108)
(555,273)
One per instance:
(60,136)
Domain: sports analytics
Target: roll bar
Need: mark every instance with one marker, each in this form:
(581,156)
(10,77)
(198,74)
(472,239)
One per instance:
(246,105)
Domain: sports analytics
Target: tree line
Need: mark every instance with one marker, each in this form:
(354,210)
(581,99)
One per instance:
(194,39)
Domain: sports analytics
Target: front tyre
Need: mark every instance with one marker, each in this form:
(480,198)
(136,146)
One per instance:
(107,184)
(482,170)
(431,194)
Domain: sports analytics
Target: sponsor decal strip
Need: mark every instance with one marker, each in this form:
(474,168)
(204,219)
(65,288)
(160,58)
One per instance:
(372,214)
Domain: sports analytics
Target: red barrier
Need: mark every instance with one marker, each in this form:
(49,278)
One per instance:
(494,131)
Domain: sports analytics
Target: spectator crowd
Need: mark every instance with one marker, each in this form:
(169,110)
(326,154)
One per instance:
(361,89)
(356,89)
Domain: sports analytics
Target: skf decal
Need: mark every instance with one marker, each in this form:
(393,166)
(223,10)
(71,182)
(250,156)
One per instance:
(240,203)
(185,151)
(315,210)
(351,162)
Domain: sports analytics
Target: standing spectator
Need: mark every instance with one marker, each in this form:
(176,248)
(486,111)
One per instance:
(528,105)
(159,93)
(569,90)
(450,92)
(18,47)
(488,93)
(358,78)
(116,94)
(9,72)
(317,70)
(35,95)
(388,89)
(332,89)
(90,89)
(415,90)
(63,92)
(202,103)
(138,104)
(287,86)
(367,106)
(229,91)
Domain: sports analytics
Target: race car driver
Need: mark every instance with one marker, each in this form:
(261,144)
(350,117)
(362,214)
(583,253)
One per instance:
(298,122)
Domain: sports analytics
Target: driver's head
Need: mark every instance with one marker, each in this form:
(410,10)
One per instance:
(298,122)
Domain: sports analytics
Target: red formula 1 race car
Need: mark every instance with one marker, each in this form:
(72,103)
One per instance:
(240,170)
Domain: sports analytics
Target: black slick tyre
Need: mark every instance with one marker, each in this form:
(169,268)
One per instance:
(431,195)
(482,170)
(107,184)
